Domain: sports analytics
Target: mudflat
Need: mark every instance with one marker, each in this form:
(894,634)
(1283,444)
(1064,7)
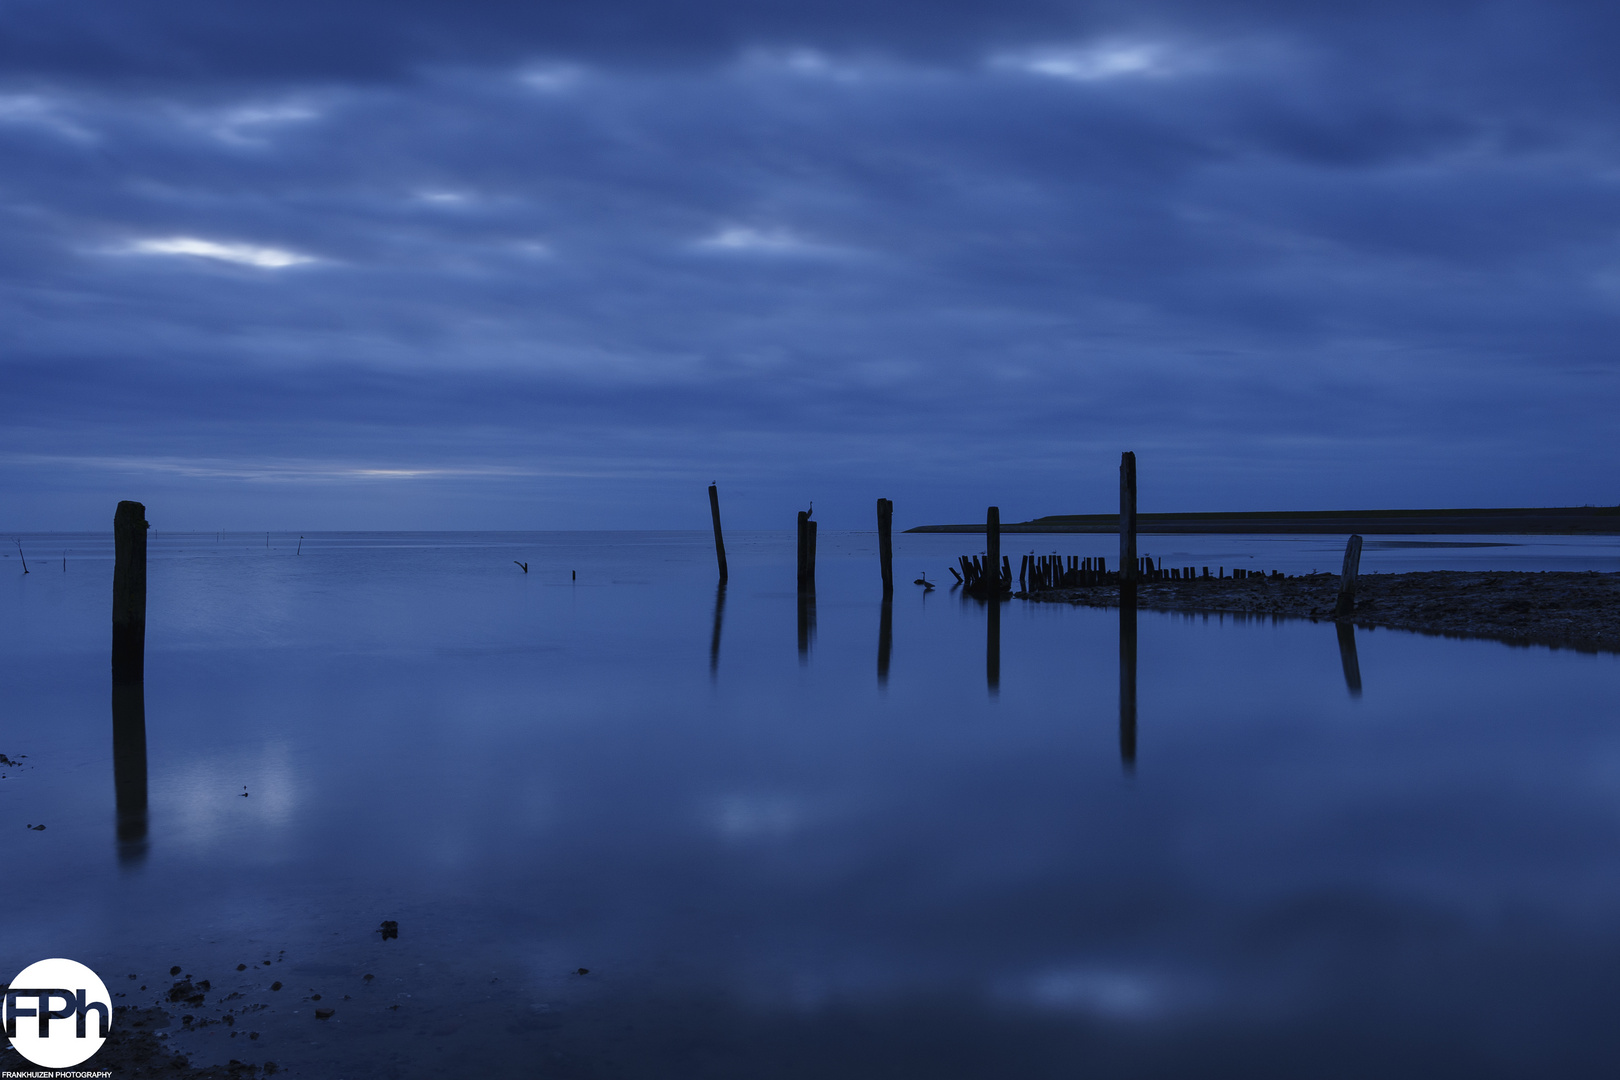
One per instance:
(1575,610)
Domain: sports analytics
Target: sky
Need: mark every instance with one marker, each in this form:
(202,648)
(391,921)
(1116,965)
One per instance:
(351,264)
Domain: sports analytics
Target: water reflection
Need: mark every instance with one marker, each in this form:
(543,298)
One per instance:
(992,644)
(129,770)
(719,614)
(1347,657)
(807,624)
(885,639)
(1127,676)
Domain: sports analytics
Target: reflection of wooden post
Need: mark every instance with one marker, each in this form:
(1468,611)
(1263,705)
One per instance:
(129,594)
(1127,680)
(992,644)
(719,541)
(992,551)
(885,640)
(1127,517)
(1347,657)
(807,624)
(1347,580)
(714,642)
(129,769)
(885,512)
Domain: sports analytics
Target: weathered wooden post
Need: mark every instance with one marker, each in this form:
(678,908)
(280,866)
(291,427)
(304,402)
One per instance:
(1347,580)
(807,552)
(1348,659)
(885,512)
(1127,518)
(129,769)
(992,551)
(719,541)
(129,595)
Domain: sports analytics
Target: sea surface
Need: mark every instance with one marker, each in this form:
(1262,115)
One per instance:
(632,825)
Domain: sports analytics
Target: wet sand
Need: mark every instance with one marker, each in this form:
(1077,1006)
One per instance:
(1572,610)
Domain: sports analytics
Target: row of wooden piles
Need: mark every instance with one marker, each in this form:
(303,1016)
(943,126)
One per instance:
(1043,573)
(975,575)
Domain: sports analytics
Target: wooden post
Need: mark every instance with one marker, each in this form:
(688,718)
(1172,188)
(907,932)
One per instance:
(885,512)
(129,595)
(1347,580)
(804,519)
(810,559)
(1127,517)
(992,550)
(719,541)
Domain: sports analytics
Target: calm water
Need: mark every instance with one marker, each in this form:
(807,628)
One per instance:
(774,862)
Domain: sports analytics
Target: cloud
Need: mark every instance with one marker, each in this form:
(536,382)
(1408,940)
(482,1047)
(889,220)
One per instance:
(743,238)
(1290,257)
(267,258)
(1098,62)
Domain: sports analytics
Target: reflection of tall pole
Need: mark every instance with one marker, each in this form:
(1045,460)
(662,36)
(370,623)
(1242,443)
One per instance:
(714,642)
(1127,676)
(992,643)
(1347,657)
(885,640)
(807,624)
(129,770)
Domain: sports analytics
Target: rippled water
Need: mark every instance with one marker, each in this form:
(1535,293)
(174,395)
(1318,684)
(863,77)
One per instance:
(774,862)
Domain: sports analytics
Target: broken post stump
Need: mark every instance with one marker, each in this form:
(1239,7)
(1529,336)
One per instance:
(129,594)
(719,541)
(885,513)
(1347,580)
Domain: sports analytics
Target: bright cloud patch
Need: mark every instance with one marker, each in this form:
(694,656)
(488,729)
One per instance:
(1096,62)
(771,241)
(245,254)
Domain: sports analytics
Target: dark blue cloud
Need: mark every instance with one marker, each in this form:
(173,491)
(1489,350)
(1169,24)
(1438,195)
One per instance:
(593,257)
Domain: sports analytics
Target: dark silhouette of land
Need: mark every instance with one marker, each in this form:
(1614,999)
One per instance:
(1508,521)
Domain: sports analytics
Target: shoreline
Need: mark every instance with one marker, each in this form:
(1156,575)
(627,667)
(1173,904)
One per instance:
(1510,521)
(1560,609)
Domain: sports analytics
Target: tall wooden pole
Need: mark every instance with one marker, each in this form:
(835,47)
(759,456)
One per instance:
(807,552)
(129,595)
(992,550)
(719,541)
(1127,518)
(885,512)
